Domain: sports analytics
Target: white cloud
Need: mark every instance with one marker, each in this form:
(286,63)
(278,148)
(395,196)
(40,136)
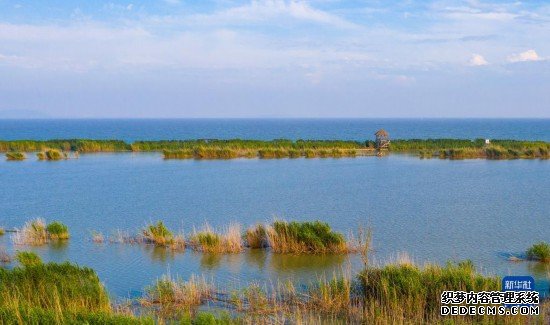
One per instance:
(271,10)
(477,60)
(529,55)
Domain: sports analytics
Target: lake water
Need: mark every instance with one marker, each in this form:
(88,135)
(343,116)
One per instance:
(267,129)
(434,210)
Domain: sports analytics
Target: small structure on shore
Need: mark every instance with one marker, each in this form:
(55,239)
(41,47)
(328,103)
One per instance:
(382,139)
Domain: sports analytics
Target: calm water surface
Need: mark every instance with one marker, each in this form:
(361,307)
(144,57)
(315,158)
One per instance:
(434,210)
(267,129)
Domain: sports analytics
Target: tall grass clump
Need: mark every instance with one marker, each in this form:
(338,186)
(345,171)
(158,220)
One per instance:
(51,154)
(28,259)
(15,155)
(2,231)
(210,241)
(33,233)
(178,154)
(174,292)
(304,237)
(158,234)
(57,231)
(539,252)
(256,237)
(54,287)
(412,293)
(331,294)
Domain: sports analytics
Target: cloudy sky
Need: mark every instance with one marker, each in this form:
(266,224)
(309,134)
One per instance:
(277,58)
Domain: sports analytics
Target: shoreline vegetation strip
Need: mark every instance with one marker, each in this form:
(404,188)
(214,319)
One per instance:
(400,292)
(280,148)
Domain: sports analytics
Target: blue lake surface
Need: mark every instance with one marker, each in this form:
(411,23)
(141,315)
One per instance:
(433,210)
(267,129)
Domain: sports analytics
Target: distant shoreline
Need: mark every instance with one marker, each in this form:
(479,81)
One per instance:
(283,148)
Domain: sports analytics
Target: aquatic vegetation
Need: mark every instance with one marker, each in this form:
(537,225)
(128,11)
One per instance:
(122,237)
(28,259)
(97,237)
(158,234)
(51,154)
(256,237)
(304,237)
(178,154)
(331,294)
(539,252)
(33,233)
(4,256)
(210,241)
(57,231)
(57,294)
(2,231)
(15,155)
(412,293)
(172,292)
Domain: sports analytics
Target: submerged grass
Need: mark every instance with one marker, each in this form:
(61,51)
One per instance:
(539,252)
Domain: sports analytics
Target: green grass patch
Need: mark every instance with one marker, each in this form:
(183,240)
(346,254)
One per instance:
(539,252)
(28,259)
(304,237)
(57,230)
(15,155)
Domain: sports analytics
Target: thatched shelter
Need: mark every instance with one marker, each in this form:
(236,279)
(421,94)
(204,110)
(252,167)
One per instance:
(382,139)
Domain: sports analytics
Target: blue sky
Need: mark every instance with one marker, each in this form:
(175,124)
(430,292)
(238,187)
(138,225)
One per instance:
(325,58)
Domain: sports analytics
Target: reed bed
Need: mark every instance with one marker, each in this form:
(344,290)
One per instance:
(393,294)
(304,238)
(159,235)
(36,232)
(33,233)
(52,154)
(539,252)
(256,237)
(28,259)
(172,292)
(210,241)
(57,231)
(15,155)
(57,294)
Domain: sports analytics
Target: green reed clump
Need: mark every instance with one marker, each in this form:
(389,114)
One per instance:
(51,154)
(309,153)
(539,252)
(15,155)
(54,287)
(28,259)
(293,153)
(174,292)
(158,234)
(413,293)
(2,231)
(215,153)
(256,237)
(273,153)
(210,241)
(57,231)
(305,237)
(178,154)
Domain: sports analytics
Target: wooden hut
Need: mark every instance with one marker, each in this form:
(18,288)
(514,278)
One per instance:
(382,139)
